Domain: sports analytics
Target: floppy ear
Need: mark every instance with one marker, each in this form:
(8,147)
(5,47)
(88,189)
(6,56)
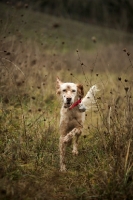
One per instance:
(58,83)
(80,90)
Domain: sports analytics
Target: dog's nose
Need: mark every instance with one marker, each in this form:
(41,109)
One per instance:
(69,99)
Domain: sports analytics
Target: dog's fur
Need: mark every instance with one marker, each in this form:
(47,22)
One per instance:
(71,121)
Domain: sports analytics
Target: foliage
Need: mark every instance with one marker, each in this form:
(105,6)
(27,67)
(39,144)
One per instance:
(116,14)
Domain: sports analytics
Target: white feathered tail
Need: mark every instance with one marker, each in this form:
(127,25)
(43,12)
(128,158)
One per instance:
(89,100)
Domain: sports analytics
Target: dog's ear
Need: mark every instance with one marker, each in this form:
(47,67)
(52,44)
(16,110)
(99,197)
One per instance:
(58,83)
(80,90)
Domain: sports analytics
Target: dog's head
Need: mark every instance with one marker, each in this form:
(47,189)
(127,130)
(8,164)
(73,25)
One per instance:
(69,92)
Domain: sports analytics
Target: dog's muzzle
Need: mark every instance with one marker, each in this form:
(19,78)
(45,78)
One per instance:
(68,102)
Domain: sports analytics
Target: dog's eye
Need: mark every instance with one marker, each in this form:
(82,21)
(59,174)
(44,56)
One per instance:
(64,90)
(73,90)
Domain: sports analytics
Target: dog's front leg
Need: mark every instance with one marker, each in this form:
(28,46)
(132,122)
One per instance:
(62,148)
(75,145)
(72,134)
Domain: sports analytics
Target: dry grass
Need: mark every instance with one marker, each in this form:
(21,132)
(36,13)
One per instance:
(29,117)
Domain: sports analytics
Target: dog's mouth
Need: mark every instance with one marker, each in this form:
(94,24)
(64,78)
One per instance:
(72,105)
(67,105)
(76,103)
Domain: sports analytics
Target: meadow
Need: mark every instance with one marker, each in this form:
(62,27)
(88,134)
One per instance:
(35,48)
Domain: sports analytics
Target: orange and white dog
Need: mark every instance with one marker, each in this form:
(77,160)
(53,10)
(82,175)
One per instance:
(74,105)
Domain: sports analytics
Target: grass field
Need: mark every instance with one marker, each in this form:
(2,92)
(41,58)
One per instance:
(34,49)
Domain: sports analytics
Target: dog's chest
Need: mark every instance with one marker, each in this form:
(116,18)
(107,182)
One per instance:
(69,115)
(71,119)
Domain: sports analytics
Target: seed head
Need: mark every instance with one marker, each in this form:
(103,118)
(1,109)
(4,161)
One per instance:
(128,53)
(94,39)
(126,89)
(26,5)
(6,100)
(99,98)
(8,53)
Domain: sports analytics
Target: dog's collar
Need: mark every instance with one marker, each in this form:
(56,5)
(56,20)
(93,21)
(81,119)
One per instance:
(75,104)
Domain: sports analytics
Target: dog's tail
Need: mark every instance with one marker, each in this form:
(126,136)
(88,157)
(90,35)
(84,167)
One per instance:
(89,100)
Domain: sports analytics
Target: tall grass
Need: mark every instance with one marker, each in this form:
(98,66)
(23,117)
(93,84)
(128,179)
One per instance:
(29,118)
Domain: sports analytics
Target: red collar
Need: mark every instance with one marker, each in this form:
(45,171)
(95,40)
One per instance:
(75,104)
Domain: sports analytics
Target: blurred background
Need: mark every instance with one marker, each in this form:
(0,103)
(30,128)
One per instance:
(40,40)
(116,14)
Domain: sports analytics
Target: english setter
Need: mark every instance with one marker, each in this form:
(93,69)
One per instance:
(72,115)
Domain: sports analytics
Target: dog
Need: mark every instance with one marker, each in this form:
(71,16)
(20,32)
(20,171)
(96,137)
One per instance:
(72,115)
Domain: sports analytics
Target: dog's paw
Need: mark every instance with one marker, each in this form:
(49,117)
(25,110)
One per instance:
(75,152)
(63,168)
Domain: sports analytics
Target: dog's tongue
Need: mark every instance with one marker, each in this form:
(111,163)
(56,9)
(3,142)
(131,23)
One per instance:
(75,104)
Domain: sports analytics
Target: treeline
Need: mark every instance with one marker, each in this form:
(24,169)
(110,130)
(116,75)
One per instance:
(112,13)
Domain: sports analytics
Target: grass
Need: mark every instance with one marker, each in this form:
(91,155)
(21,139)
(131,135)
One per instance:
(29,109)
